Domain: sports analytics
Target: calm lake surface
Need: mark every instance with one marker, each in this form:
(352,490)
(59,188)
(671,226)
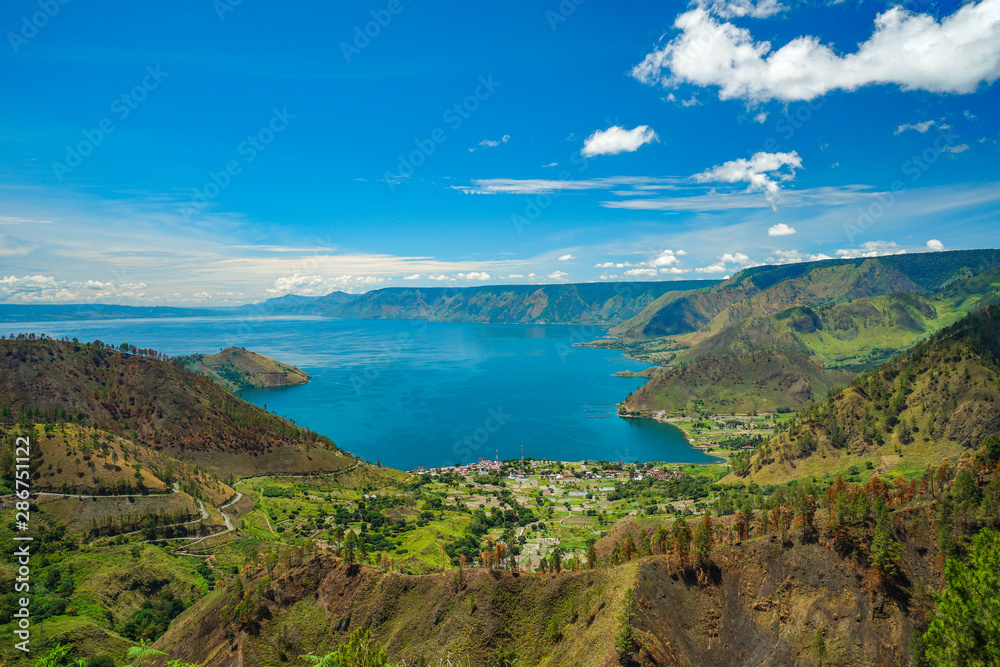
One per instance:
(413,393)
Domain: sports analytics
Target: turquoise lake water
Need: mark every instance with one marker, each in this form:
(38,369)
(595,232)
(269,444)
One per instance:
(413,393)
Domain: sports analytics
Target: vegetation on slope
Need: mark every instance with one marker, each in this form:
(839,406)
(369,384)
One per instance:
(238,368)
(136,394)
(943,393)
(770,289)
(820,345)
(585,303)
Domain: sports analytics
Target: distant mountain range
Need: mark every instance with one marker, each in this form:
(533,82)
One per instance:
(584,303)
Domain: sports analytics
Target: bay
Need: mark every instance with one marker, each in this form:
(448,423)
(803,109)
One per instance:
(411,393)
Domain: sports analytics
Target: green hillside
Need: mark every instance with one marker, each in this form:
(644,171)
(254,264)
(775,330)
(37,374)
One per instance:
(237,368)
(941,398)
(770,289)
(155,403)
(817,346)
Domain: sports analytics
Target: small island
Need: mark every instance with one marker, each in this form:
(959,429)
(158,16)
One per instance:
(237,368)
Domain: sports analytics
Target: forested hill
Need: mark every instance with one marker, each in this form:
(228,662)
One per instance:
(584,303)
(941,398)
(153,402)
(236,368)
(765,290)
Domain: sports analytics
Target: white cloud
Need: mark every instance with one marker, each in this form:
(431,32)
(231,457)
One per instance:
(550,164)
(934,245)
(492,143)
(566,258)
(312,285)
(666,258)
(515,276)
(738,8)
(961,148)
(647,273)
(738,259)
(538,186)
(605,265)
(761,117)
(872,249)
(415,276)
(441,278)
(780,229)
(794,257)
(616,140)
(558,275)
(916,127)
(33,289)
(759,171)
(474,275)
(913,51)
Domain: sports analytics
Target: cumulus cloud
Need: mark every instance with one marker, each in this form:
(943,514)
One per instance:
(34,289)
(872,249)
(916,127)
(318,285)
(474,275)
(934,245)
(913,51)
(760,171)
(961,148)
(739,260)
(566,258)
(665,262)
(616,140)
(415,276)
(794,257)
(558,275)
(780,229)
(738,8)
(309,285)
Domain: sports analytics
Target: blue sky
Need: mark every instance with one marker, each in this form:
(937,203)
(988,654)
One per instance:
(225,152)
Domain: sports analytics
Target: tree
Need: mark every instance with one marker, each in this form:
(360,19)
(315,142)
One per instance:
(807,508)
(967,622)
(682,540)
(819,647)
(591,557)
(702,543)
(628,546)
(662,536)
(991,447)
(740,526)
